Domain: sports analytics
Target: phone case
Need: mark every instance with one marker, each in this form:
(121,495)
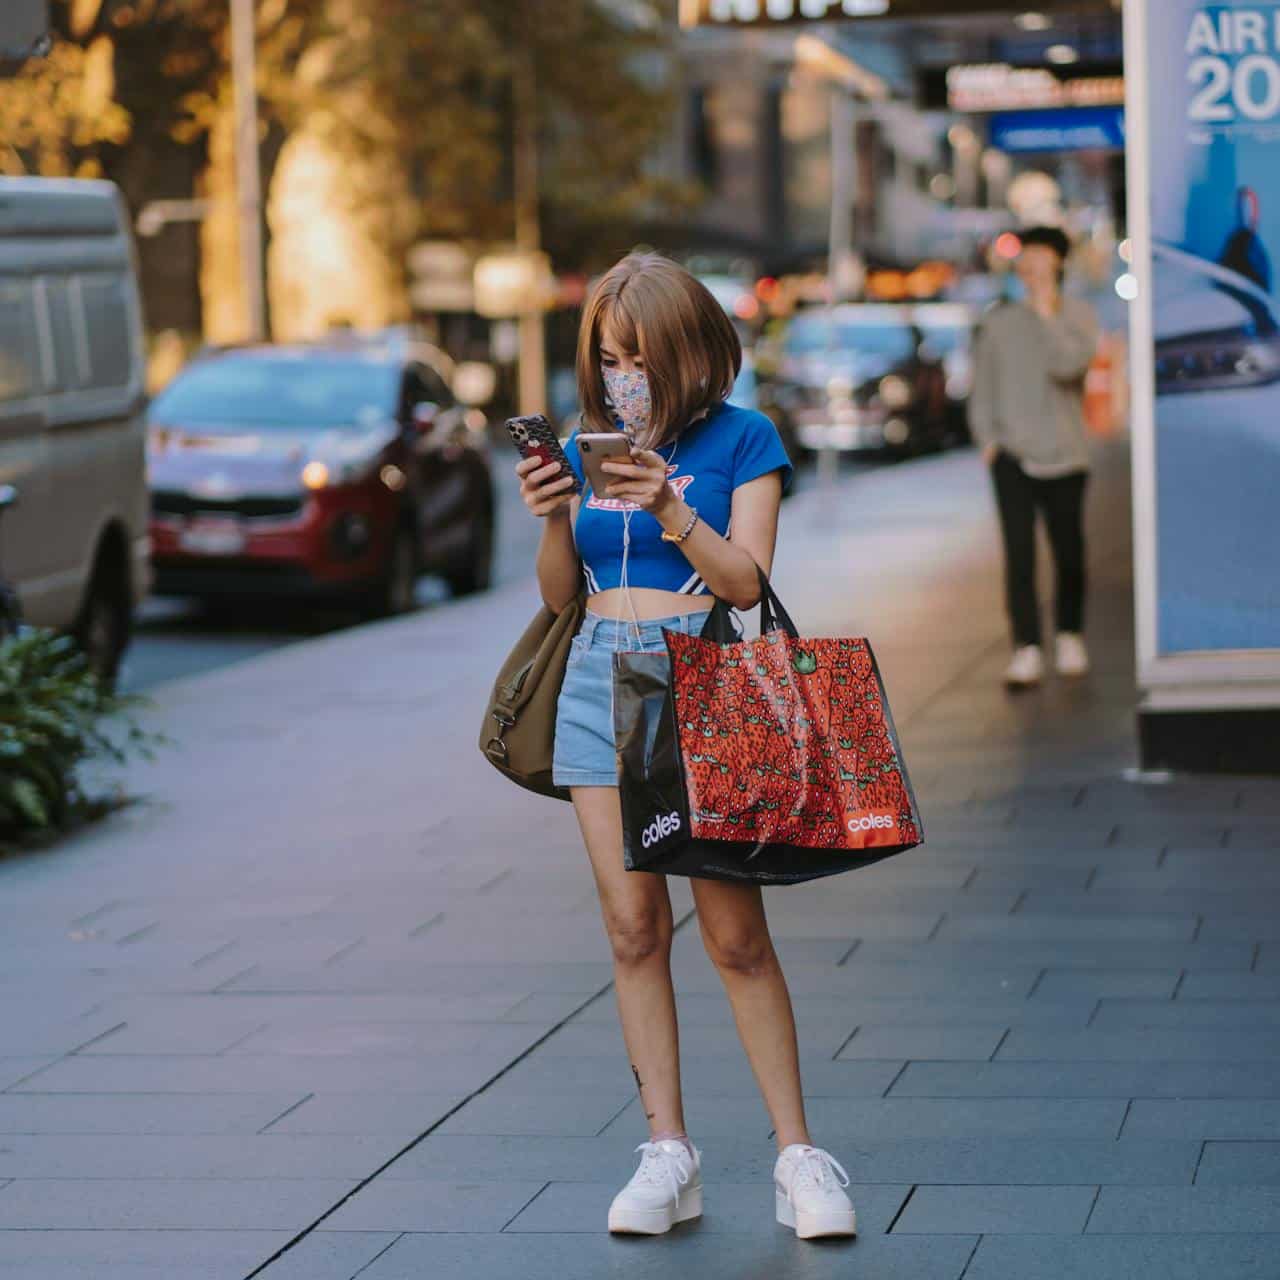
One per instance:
(535,437)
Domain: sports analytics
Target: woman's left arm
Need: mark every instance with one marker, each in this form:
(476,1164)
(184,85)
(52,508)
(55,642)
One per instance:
(726,565)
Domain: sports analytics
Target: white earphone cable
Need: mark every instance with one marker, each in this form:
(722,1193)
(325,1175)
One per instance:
(624,581)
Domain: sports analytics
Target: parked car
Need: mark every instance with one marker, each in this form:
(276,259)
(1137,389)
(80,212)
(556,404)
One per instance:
(860,377)
(72,398)
(340,469)
(948,330)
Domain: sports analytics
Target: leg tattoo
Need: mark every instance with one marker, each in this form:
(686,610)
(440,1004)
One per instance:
(635,1071)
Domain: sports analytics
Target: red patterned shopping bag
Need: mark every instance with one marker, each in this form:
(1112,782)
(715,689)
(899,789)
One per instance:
(772,760)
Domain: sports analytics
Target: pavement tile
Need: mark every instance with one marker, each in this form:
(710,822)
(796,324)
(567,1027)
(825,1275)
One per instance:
(997,1210)
(1207,985)
(1256,1162)
(581,1114)
(1116,1014)
(403,1115)
(1061,952)
(1093,984)
(1139,1045)
(141,1113)
(705,1253)
(1097,1257)
(281,1155)
(1030,925)
(1168,1210)
(183,1032)
(893,1119)
(1246,927)
(413,979)
(149,1204)
(433,1205)
(872,1041)
(330,1255)
(1042,1079)
(86,1255)
(13,1070)
(246,1073)
(728,1207)
(375,1038)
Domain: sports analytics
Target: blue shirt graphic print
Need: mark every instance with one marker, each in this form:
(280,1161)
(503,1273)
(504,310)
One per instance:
(705,464)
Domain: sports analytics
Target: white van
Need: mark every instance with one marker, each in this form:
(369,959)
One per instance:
(72,395)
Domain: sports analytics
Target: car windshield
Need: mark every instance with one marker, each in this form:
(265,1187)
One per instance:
(811,335)
(279,391)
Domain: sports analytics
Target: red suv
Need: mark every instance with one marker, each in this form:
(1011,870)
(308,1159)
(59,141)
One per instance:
(338,469)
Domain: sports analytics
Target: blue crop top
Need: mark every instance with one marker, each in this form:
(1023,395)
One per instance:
(708,461)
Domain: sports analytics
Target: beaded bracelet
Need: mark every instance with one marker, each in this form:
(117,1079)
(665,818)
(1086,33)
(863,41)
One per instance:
(686,531)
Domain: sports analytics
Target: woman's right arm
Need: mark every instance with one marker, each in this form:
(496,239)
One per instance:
(552,500)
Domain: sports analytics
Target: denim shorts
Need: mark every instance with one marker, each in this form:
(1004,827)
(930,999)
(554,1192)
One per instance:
(584,752)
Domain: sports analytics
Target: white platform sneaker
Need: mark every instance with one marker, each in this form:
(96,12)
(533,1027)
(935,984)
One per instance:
(1026,669)
(1070,656)
(809,1193)
(664,1190)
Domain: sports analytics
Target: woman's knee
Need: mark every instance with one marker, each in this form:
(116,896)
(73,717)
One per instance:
(638,936)
(747,952)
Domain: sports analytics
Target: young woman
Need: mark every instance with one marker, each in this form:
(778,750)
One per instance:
(686,519)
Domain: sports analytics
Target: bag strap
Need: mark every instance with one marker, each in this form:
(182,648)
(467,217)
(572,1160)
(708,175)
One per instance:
(721,627)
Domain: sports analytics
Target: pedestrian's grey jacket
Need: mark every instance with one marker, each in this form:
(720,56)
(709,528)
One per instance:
(1028,384)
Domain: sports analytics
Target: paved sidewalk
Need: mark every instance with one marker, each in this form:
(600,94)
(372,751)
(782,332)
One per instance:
(334,1000)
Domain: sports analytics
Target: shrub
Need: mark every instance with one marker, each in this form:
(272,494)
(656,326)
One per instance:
(52,714)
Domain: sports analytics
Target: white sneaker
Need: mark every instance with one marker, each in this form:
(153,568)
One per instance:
(809,1193)
(1027,667)
(1070,656)
(664,1190)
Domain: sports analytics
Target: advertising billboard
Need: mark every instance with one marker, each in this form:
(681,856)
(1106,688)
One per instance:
(1204,135)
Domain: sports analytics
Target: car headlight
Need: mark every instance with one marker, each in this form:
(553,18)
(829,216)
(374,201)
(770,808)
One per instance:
(895,392)
(315,475)
(326,474)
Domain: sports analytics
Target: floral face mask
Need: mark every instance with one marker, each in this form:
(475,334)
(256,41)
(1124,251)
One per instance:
(630,398)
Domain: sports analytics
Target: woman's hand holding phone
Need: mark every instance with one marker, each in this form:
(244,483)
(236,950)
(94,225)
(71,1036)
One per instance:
(642,480)
(544,488)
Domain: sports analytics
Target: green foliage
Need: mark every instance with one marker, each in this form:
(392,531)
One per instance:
(52,713)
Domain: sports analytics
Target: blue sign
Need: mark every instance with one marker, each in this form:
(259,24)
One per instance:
(1059,129)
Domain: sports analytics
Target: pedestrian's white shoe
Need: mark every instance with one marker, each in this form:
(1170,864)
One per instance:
(1027,667)
(809,1193)
(664,1190)
(1070,656)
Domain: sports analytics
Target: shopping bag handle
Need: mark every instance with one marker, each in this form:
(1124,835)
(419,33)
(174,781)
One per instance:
(720,625)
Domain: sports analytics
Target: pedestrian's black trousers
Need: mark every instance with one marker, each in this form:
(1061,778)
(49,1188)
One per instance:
(1061,500)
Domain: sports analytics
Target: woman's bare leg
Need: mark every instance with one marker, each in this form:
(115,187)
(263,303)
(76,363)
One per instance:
(736,935)
(638,922)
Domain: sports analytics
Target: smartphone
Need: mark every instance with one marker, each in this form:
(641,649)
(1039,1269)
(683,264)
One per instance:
(535,437)
(597,447)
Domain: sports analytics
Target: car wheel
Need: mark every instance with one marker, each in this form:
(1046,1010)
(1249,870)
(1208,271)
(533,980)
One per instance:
(475,570)
(397,590)
(105,621)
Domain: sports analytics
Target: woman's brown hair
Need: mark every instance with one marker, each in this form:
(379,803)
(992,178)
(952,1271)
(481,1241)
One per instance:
(655,309)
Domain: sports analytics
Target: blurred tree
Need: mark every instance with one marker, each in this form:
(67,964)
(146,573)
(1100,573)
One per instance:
(410,98)
(429,81)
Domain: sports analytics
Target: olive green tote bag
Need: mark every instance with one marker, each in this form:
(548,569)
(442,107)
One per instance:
(519,730)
